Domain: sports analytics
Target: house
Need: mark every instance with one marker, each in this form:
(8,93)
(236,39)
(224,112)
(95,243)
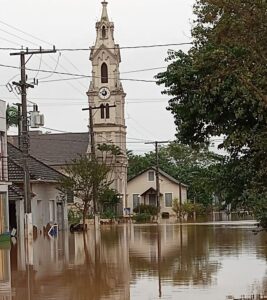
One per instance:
(56,150)
(142,190)
(47,203)
(4,222)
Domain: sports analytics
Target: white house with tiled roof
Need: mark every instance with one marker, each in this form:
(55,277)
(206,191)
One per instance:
(142,190)
(47,204)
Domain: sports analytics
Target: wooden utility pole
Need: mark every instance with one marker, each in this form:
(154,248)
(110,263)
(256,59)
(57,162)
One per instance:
(24,142)
(92,144)
(156,143)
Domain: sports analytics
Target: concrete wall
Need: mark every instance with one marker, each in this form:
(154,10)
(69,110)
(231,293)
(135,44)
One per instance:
(141,184)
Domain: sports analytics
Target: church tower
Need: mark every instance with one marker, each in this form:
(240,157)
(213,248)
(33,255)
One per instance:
(107,98)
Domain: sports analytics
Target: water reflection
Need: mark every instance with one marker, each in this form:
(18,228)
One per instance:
(139,262)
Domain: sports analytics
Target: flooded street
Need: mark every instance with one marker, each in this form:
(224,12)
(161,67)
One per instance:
(208,261)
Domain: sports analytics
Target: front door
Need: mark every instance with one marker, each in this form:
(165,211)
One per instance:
(152,200)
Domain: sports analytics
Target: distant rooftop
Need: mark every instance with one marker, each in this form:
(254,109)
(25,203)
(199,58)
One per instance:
(56,149)
(38,171)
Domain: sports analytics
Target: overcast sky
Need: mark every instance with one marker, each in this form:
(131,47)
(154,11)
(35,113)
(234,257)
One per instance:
(71,24)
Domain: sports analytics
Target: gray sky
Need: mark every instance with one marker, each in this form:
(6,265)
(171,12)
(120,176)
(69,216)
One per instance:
(71,24)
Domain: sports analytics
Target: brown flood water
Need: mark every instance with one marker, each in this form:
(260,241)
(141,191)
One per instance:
(208,261)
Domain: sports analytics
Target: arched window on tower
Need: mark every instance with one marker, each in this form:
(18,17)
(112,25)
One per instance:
(102,111)
(107,111)
(104,32)
(104,73)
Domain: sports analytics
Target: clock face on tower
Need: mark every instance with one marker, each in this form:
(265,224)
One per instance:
(104,93)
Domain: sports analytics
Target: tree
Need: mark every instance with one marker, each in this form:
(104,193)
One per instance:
(219,88)
(109,199)
(84,177)
(211,86)
(12,117)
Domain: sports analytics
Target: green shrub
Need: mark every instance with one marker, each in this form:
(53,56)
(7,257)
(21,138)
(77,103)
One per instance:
(146,209)
(74,216)
(142,218)
(108,214)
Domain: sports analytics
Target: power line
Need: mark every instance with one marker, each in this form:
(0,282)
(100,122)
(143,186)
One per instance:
(73,74)
(74,99)
(110,48)
(19,30)
(16,36)
(57,61)
(143,70)
(127,47)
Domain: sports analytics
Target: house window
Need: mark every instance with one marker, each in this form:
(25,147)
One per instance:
(168,199)
(104,73)
(70,197)
(136,200)
(52,210)
(151,176)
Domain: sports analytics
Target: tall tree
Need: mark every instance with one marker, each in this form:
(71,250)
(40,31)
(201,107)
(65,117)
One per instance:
(219,88)
(85,176)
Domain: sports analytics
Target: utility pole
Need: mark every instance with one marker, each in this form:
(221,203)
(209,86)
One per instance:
(24,138)
(92,145)
(157,143)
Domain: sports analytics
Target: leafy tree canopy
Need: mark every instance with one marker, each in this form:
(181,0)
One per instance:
(219,88)
(12,116)
(86,179)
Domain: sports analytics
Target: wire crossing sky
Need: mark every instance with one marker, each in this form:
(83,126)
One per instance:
(145,30)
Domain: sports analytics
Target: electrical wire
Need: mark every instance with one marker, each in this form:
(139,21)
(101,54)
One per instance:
(52,72)
(16,36)
(143,70)
(57,63)
(110,48)
(11,42)
(76,75)
(19,30)
(128,47)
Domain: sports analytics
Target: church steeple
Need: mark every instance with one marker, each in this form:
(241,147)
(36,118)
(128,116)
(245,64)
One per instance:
(104,16)
(106,94)
(104,29)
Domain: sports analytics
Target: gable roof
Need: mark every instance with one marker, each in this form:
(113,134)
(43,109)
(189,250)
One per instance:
(37,170)
(150,190)
(116,55)
(56,149)
(162,173)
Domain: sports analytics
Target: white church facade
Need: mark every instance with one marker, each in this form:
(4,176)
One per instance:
(107,99)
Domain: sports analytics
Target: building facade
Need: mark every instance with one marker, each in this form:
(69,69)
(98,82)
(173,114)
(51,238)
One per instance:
(142,190)
(106,98)
(47,204)
(4,221)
